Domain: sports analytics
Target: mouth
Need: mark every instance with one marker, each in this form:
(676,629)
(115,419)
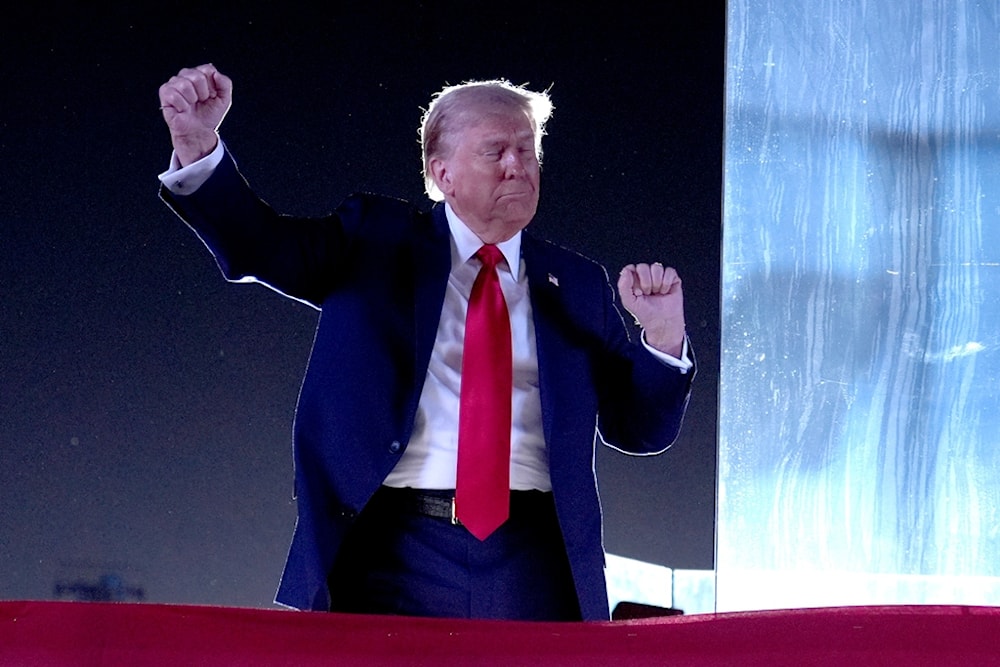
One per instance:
(518,194)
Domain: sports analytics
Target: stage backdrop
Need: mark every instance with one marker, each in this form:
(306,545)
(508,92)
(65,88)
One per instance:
(860,430)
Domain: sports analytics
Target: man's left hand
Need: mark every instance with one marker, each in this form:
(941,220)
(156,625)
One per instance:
(652,294)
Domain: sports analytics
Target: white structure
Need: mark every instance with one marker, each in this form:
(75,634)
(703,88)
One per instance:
(859,425)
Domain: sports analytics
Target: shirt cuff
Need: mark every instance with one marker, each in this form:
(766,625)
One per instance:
(683,364)
(185,180)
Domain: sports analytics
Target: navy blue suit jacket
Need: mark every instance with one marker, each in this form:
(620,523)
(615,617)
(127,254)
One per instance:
(377,270)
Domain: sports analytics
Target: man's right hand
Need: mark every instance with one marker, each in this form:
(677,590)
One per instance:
(194,103)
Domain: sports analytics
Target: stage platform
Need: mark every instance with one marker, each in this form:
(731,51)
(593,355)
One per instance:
(79,633)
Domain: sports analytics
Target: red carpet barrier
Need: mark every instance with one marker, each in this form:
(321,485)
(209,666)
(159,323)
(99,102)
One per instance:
(76,633)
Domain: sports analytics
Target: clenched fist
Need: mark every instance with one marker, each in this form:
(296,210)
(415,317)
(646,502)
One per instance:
(652,294)
(194,102)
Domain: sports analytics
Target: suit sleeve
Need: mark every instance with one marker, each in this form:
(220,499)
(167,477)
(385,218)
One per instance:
(299,257)
(642,400)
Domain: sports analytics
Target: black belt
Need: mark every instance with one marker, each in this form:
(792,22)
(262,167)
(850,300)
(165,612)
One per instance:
(432,503)
(435,506)
(440,504)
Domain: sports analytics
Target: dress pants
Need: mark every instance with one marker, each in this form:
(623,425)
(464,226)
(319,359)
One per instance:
(398,560)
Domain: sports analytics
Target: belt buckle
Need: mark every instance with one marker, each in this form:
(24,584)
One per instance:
(454,516)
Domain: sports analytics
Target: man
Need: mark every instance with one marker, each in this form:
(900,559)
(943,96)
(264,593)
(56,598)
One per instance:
(445,429)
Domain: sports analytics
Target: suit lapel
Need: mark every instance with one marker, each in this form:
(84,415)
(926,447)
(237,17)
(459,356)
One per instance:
(432,260)
(546,304)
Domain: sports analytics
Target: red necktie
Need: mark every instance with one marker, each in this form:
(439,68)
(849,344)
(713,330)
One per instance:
(482,493)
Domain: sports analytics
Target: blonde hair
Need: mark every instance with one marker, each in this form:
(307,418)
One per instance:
(456,107)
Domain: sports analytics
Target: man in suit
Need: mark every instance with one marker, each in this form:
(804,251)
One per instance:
(447,339)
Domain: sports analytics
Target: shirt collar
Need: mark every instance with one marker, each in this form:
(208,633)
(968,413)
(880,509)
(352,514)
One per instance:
(468,244)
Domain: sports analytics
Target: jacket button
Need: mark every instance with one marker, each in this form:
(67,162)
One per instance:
(395,447)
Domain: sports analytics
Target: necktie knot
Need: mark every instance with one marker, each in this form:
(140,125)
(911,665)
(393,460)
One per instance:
(490,255)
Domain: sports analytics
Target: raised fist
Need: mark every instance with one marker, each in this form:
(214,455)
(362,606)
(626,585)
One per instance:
(194,102)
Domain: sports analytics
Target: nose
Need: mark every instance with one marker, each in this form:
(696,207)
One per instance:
(513,163)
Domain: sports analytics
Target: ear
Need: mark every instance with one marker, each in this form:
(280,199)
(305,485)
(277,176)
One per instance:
(441,175)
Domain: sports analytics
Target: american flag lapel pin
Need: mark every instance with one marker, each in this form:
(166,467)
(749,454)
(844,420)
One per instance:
(553,280)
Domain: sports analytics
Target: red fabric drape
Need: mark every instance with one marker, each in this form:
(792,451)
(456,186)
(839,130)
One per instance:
(76,633)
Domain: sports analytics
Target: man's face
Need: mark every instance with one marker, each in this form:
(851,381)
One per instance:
(491,176)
